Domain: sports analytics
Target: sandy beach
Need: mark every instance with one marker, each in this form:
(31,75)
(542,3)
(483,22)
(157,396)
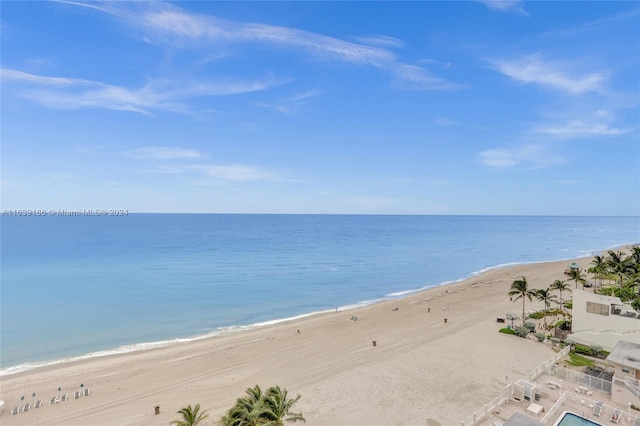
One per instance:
(423,370)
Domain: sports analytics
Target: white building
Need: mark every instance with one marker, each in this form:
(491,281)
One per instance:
(625,388)
(602,320)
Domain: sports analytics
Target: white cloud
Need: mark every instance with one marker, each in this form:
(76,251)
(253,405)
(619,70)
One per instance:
(533,69)
(381,40)
(505,6)
(579,128)
(236,172)
(221,173)
(289,105)
(529,156)
(414,77)
(164,153)
(598,123)
(69,93)
(170,23)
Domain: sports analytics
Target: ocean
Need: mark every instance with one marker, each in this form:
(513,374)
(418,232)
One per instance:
(82,286)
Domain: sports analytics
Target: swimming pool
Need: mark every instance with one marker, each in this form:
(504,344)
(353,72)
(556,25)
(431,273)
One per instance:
(572,419)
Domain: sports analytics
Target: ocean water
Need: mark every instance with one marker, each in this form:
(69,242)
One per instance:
(90,285)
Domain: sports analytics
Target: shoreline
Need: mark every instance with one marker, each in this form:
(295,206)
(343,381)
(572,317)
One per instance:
(422,367)
(225,331)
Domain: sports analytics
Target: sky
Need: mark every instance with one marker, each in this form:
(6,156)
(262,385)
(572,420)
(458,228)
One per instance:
(452,107)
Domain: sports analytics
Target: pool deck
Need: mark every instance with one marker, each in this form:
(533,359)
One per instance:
(581,404)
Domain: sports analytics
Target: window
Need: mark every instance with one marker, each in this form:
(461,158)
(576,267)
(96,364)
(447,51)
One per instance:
(597,308)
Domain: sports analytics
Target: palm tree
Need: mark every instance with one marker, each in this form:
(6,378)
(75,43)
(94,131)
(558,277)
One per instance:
(248,411)
(520,288)
(190,416)
(635,254)
(561,286)
(618,265)
(577,276)
(598,269)
(279,407)
(544,295)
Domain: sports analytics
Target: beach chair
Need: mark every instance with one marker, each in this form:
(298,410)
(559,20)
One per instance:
(15,410)
(636,422)
(76,395)
(87,392)
(617,414)
(597,409)
(26,407)
(52,400)
(38,404)
(63,398)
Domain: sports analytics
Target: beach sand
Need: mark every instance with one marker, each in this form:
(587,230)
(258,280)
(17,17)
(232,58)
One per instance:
(422,371)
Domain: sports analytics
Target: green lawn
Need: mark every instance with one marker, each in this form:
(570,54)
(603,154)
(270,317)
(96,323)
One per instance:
(578,361)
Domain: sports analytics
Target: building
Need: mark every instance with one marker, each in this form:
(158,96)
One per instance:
(625,387)
(600,320)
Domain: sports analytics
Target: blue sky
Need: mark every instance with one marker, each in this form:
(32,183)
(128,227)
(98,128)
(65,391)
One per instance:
(322,107)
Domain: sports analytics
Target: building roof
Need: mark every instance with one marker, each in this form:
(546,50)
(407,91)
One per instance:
(626,354)
(519,419)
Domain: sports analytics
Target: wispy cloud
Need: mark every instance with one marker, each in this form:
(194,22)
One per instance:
(289,105)
(69,93)
(598,123)
(510,6)
(579,128)
(168,23)
(164,153)
(528,156)
(236,172)
(222,173)
(554,74)
(415,77)
(381,40)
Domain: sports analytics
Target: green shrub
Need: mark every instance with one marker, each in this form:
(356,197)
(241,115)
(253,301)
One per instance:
(531,326)
(540,337)
(554,340)
(568,305)
(581,349)
(536,315)
(507,330)
(595,350)
(521,331)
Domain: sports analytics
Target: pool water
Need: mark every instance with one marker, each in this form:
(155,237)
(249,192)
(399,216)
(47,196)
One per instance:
(570,419)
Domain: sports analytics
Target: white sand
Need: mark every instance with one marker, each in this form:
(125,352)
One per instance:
(422,371)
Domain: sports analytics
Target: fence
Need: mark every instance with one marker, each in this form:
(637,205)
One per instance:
(581,379)
(586,410)
(502,399)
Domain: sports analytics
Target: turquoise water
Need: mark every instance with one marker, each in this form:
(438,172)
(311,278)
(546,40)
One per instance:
(81,286)
(570,419)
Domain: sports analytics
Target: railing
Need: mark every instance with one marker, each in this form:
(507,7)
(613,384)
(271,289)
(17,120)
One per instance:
(582,379)
(502,399)
(555,407)
(588,404)
(633,386)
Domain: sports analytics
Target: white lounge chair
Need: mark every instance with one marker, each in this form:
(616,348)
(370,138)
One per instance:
(26,407)
(63,398)
(38,404)
(616,416)
(15,410)
(53,400)
(76,395)
(597,409)
(87,392)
